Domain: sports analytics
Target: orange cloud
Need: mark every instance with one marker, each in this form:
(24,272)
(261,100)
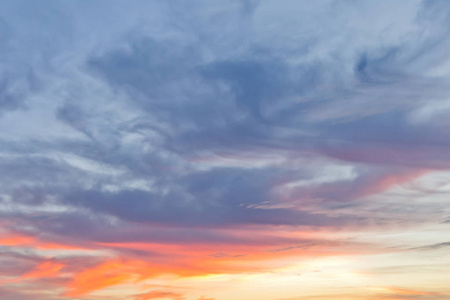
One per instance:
(101,276)
(160,295)
(16,240)
(44,269)
(408,292)
(120,271)
(206,259)
(391,180)
(19,240)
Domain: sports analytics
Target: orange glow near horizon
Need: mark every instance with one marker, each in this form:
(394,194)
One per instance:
(319,261)
(99,277)
(271,256)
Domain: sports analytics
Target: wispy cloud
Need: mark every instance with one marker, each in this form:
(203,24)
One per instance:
(148,141)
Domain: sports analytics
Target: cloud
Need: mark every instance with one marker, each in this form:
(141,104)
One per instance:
(228,134)
(434,246)
(101,276)
(44,269)
(160,295)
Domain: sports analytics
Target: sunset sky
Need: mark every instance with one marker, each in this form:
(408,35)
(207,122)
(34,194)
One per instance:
(225,150)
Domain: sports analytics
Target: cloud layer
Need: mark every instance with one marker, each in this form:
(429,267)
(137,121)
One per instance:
(143,141)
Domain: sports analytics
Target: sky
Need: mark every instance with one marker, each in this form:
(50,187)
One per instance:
(225,150)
